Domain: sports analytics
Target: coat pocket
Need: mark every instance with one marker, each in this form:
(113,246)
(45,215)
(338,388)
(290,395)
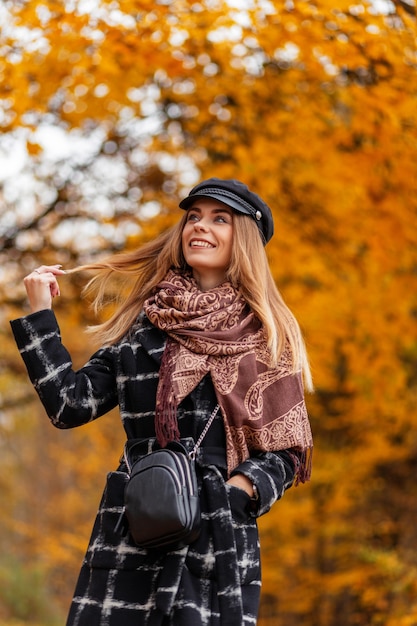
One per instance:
(246,535)
(229,535)
(239,502)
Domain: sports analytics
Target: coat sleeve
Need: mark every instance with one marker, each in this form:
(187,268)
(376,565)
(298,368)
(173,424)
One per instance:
(272,473)
(71,398)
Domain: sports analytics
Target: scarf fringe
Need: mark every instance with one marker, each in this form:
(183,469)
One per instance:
(166,423)
(303,463)
(166,426)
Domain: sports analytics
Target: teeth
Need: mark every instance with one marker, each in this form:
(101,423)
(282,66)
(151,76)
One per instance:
(201,244)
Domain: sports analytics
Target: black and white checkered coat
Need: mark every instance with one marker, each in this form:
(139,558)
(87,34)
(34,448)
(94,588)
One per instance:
(216,580)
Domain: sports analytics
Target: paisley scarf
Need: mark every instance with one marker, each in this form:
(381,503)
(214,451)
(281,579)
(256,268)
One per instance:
(215,332)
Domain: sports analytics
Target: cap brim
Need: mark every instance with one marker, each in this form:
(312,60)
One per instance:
(230,200)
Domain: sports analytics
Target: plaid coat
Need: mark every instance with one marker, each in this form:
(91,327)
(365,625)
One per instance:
(216,580)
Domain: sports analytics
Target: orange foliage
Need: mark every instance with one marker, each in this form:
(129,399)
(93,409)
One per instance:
(314,107)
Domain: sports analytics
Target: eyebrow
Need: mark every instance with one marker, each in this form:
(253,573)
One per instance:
(225,209)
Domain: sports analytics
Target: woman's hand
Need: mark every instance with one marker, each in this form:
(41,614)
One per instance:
(42,286)
(242,482)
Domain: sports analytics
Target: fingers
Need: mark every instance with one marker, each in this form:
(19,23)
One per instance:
(42,286)
(53,269)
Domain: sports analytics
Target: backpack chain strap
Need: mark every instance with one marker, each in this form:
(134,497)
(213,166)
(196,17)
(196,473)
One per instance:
(193,452)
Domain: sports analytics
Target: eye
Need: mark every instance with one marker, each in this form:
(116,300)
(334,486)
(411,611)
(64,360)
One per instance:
(223,218)
(192,217)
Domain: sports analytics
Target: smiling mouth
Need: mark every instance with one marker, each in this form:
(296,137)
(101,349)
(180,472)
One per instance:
(200,244)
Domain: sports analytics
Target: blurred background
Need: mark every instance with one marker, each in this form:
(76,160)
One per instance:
(110,111)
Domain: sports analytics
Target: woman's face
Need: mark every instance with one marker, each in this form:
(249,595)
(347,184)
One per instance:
(207,241)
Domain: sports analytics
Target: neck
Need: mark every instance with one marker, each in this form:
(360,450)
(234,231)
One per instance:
(205,283)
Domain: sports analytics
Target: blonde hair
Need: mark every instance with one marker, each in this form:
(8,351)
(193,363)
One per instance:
(145,267)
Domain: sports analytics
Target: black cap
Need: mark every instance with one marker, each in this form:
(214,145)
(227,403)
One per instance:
(238,197)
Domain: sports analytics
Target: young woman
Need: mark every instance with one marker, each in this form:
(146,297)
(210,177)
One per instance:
(203,324)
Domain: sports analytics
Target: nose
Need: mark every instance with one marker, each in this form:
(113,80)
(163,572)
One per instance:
(200,225)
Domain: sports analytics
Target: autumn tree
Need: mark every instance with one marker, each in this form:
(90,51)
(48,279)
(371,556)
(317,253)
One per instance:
(109,112)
